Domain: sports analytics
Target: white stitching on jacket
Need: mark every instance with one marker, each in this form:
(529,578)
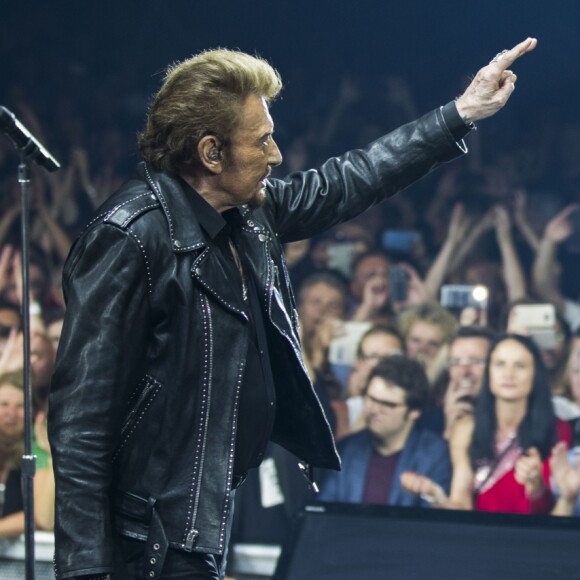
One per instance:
(199,452)
(141,209)
(162,200)
(147,265)
(112,211)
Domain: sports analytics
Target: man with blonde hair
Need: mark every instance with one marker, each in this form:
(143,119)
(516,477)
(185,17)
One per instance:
(179,357)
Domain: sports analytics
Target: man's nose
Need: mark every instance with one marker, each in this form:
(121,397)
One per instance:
(274,155)
(465,370)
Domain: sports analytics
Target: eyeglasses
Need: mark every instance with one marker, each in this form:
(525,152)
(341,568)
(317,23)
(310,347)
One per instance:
(467,361)
(384,405)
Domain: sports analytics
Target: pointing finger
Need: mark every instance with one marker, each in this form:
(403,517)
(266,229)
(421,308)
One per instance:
(506,58)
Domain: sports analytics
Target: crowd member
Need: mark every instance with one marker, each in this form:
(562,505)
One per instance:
(9,321)
(40,279)
(335,249)
(374,459)
(54,329)
(466,364)
(564,463)
(11,451)
(369,287)
(565,470)
(189,255)
(500,454)
(555,353)
(44,484)
(546,269)
(322,300)
(378,342)
(321,308)
(567,401)
(427,329)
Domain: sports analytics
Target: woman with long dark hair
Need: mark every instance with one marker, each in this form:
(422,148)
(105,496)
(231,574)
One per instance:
(500,454)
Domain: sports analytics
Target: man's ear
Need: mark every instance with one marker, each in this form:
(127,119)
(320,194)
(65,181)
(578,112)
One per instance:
(210,154)
(414,414)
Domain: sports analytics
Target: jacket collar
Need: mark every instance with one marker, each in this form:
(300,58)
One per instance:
(182,211)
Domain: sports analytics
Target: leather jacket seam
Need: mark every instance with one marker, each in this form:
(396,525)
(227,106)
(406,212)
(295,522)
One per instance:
(231,454)
(115,209)
(129,219)
(163,202)
(201,438)
(145,258)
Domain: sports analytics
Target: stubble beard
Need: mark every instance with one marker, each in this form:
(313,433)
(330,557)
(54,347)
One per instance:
(258,200)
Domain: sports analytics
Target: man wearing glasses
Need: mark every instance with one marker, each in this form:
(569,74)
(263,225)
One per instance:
(465,364)
(374,459)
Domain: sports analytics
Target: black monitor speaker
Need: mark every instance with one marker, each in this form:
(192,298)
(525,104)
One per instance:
(362,542)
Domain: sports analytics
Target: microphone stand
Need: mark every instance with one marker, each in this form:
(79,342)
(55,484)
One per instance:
(28,460)
(29,149)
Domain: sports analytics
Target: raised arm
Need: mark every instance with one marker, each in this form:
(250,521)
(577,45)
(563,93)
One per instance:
(493,84)
(458,228)
(558,229)
(312,201)
(513,273)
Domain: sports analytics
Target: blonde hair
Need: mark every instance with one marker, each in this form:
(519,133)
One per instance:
(202,96)
(432,313)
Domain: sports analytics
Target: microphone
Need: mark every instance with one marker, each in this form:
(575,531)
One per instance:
(24,140)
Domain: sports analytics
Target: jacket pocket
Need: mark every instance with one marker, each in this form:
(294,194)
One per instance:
(138,409)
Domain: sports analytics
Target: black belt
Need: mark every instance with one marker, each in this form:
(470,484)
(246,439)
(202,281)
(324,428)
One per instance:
(143,510)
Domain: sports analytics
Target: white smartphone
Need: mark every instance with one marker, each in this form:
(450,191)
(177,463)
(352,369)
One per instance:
(538,320)
(342,350)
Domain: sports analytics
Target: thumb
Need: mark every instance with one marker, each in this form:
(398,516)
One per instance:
(506,85)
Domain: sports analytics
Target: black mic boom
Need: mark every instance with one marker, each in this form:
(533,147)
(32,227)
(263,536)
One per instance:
(24,140)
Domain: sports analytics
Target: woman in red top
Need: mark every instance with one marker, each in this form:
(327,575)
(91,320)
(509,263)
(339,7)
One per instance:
(500,455)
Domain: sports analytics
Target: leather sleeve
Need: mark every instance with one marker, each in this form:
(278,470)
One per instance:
(97,363)
(309,202)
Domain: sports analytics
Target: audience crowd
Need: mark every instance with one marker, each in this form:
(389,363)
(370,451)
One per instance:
(439,396)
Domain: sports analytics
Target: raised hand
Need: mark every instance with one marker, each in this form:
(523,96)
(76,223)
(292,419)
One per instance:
(560,227)
(528,472)
(493,84)
(566,476)
(422,485)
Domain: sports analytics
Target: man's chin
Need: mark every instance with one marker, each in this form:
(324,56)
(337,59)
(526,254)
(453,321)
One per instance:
(258,200)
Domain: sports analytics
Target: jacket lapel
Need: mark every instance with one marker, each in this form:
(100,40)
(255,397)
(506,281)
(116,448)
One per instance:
(214,277)
(398,495)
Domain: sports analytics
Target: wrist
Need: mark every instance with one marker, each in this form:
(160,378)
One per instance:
(466,112)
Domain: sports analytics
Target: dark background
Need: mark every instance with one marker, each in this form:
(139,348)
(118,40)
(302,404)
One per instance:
(89,48)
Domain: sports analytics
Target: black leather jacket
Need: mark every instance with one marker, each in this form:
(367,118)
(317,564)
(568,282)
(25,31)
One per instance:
(144,395)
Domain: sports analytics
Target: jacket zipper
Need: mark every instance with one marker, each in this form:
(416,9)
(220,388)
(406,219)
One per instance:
(142,397)
(190,539)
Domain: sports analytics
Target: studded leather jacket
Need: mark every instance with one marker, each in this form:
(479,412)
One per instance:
(144,395)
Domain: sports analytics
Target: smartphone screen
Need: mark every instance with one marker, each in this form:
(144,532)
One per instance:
(400,240)
(398,285)
(341,256)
